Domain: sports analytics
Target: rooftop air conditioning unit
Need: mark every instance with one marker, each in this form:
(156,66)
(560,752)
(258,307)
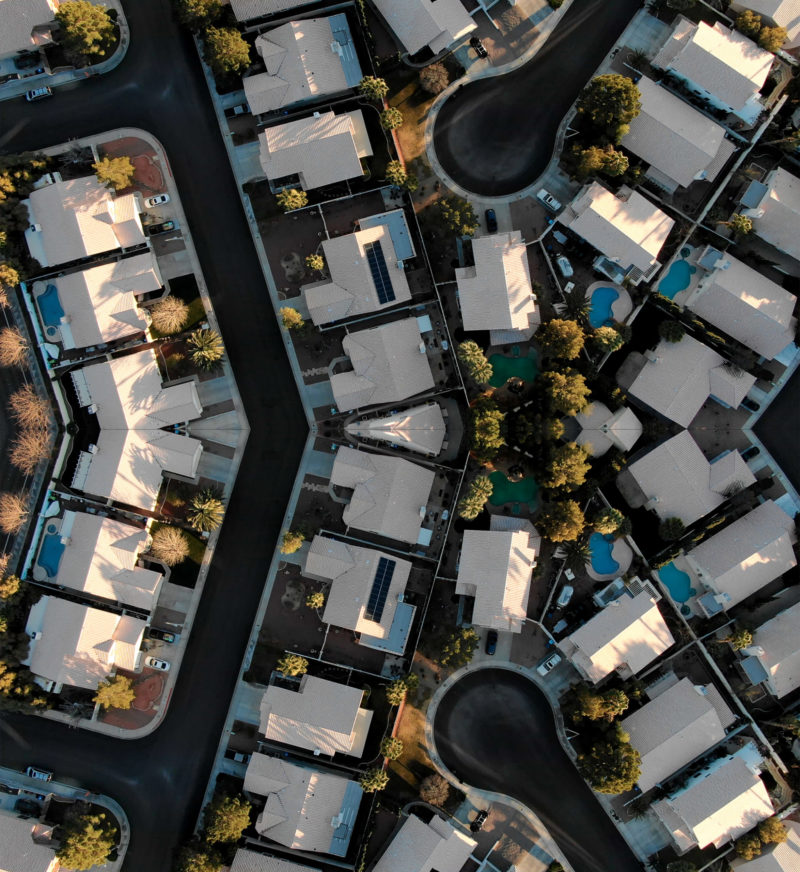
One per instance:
(35,636)
(92,408)
(399,264)
(35,228)
(92,449)
(336,48)
(421,347)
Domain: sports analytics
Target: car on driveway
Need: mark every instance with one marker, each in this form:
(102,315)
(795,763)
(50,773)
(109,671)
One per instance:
(163,227)
(548,664)
(548,200)
(162,635)
(564,266)
(39,774)
(155,663)
(480,820)
(158,200)
(480,48)
(491,221)
(491,642)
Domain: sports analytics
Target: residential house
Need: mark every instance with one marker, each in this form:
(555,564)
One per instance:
(421,429)
(25,844)
(247,10)
(627,635)
(318,715)
(774,657)
(677,378)
(774,207)
(679,724)
(389,363)
(495,568)
(313,152)
(676,480)
(80,645)
(717,805)
(435,24)
(680,144)
(98,557)
(247,860)
(718,65)
(366,591)
(436,846)
(389,496)
(602,429)
(98,305)
(305,61)
(627,230)
(496,293)
(775,13)
(25,25)
(80,218)
(305,809)
(778,857)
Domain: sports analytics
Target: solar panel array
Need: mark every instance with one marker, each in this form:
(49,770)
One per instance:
(379,270)
(380,588)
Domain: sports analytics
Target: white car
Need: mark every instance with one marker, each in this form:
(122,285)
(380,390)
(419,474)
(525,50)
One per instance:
(549,664)
(155,663)
(564,266)
(548,200)
(38,774)
(159,200)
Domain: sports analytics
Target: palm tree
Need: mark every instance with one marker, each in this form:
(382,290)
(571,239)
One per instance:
(578,307)
(576,554)
(207,348)
(207,510)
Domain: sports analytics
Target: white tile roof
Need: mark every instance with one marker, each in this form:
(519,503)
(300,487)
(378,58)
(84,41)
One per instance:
(78,218)
(779,638)
(602,429)
(421,429)
(629,231)
(675,138)
(100,304)
(323,149)
(433,847)
(244,10)
(351,290)
(390,494)
(782,857)
(250,861)
(679,480)
(496,293)
(18,18)
(671,730)
(388,366)
(81,645)
(351,569)
(18,851)
(776,219)
(679,380)
(627,632)
(747,554)
(496,569)
(320,716)
(435,23)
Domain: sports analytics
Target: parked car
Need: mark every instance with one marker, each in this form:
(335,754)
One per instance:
(548,664)
(548,200)
(480,820)
(158,200)
(564,266)
(163,227)
(565,596)
(38,774)
(155,663)
(162,635)
(491,221)
(38,94)
(491,641)
(480,49)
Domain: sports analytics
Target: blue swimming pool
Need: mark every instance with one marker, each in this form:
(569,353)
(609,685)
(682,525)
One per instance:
(600,314)
(677,581)
(677,279)
(50,307)
(50,553)
(602,562)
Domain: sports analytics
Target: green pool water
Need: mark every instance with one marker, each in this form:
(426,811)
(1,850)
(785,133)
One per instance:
(511,367)
(505,491)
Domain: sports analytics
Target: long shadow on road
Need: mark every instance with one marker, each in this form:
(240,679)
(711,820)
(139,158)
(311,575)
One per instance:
(779,426)
(495,730)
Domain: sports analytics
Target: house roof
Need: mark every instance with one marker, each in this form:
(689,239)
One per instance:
(80,645)
(721,61)
(628,631)
(626,228)
(671,730)
(496,568)
(420,23)
(302,63)
(602,429)
(776,218)
(322,149)
(352,570)
(251,861)
(675,138)
(321,716)
(390,495)
(389,364)
(78,218)
(433,847)
(496,293)
(244,10)
(18,18)
(351,289)
(421,429)
(100,304)
(680,482)
(780,857)
(18,851)
(747,554)
(779,639)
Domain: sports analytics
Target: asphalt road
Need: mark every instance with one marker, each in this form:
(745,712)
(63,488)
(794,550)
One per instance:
(495,730)
(496,136)
(160,780)
(779,426)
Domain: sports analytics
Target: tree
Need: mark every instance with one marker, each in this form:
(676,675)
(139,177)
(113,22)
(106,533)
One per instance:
(458,215)
(9,276)
(568,467)
(9,587)
(392,748)
(586,703)
(17,691)
(13,511)
(740,224)
(612,765)
(478,492)
(567,391)
(373,780)
(291,318)
(226,818)
(671,331)
(595,160)
(291,541)
(396,175)
(115,172)
(738,638)
(562,338)
(315,262)
(578,307)
(671,529)
(290,199)
(789,143)
(610,101)
(86,840)
(486,433)
(772,831)
(170,545)
(607,521)
(116,692)
(459,647)
(748,846)
(680,865)
(207,510)
(748,23)
(434,789)
(197,15)
(292,665)
(87,29)
(475,362)
(226,51)
(373,88)
(772,38)
(562,521)
(607,339)
(396,691)
(391,118)
(198,859)
(13,347)
(207,348)
(29,449)
(170,315)
(434,79)
(28,409)
(315,600)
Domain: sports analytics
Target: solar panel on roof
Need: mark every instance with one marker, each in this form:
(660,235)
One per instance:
(380,272)
(380,588)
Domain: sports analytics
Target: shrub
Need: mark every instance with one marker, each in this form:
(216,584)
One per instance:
(115,172)
(170,545)
(116,692)
(391,748)
(9,278)
(291,318)
(207,510)
(772,831)
(749,24)
(671,331)
(607,339)
(458,215)
(434,79)
(397,690)
(13,511)
(291,541)
(315,600)
(607,521)
(226,51)
(772,38)
(207,348)
(29,449)
(391,118)
(373,88)
(9,587)
(459,647)
(170,315)
(748,846)
(290,199)
(292,665)
(373,780)
(315,262)
(435,790)
(13,347)
(226,818)
(671,529)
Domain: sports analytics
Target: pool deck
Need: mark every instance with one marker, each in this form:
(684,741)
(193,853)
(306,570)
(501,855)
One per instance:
(622,307)
(622,553)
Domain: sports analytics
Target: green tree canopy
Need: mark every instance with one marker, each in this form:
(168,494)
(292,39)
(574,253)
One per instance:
(373,780)
(738,638)
(315,600)
(567,391)
(610,102)
(607,521)
(672,331)
(207,348)
(396,175)
(459,647)
(748,846)
(562,521)
(206,510)
(9,587)
(392,748)
(291,318)
(116,692)
(391,118)
(9,276)
(486,429)
(17,689)
(584,702)
(458,215)
(226,818)
(315,262)
(87,29)
(568,467)
(373,88)
(86,840)
(290,199)
(397,690)
(477,493)
(116,172)
(196,858)
(772,38)
(671,529)
(772,831)
(740,224)
(291,541)
(612,765)
(561,338)
(749,23)
(475,362)
(198,14)
(292,665)
(597,160)
(607,339)
(226,51)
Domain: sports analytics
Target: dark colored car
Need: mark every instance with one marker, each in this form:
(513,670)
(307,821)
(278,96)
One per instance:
(163,227)
(479,47)
(491,221)
(162,635)
(491,641)
(480,820)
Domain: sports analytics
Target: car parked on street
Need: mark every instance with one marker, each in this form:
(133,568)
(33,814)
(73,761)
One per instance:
(548,200)
(39,774)
(155,663)
(38,94)
(564,266)
(158,200)
(163,227)
(491,642)
(491,221)
(548,664)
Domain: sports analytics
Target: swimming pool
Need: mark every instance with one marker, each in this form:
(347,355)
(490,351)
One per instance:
(505,491)
(50,306)
(600,314)
(677,582)
(505,368)
(600,546)
(51,552)
(677,279)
